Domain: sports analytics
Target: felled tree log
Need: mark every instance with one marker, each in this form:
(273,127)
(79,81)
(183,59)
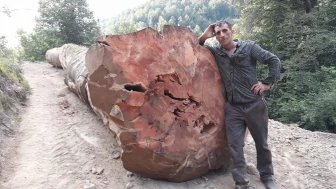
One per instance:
(72,59)
(160,93)
(52,56)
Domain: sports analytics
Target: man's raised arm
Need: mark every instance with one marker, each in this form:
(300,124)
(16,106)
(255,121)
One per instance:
(208,33)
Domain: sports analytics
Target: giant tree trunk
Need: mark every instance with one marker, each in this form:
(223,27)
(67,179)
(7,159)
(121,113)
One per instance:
(161,95)
(52,56)
(71,58)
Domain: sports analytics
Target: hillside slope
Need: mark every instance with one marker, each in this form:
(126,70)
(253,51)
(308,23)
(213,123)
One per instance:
(12,94)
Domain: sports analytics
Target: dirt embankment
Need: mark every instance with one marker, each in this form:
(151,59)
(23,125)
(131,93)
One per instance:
(12,96)
(61,143)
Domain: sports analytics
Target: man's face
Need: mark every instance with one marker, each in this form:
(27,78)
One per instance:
(223,34)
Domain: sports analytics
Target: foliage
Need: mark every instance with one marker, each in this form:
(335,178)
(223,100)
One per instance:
(13,87)
(306,44)
(7,54)
(196,15)
(70,20)
(34,46)
(322,113)
(60,22)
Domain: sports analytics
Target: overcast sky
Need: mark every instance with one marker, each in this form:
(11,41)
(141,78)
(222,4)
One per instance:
(23,14)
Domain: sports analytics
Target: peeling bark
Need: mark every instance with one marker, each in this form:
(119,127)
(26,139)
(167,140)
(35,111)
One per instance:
(72,59)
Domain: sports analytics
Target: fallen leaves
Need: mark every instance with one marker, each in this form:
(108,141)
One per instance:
(65,108)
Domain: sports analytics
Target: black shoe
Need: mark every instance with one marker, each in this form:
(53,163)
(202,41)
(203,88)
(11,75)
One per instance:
(243,186)
(270,184)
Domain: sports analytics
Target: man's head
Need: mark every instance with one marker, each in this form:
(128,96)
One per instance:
(223,22)
(223,31)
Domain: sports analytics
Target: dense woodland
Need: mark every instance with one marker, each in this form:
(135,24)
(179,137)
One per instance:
(303,36)
(196,15)
(301,32)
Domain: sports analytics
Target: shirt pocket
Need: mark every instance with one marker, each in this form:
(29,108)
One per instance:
(242,59)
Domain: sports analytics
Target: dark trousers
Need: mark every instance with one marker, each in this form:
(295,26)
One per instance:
(253,115)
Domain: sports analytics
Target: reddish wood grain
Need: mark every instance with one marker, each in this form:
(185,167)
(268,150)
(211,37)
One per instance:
(161,94)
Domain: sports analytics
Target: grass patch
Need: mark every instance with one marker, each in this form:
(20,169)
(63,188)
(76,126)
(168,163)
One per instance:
(13,87)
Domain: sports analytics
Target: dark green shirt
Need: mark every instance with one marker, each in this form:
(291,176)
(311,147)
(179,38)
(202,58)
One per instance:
(238,71)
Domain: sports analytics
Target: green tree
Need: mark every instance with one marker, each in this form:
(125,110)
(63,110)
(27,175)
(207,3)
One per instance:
(3,46)
(322,113)
(183,13)
(59,22)
(71,19)
(126,28)
(305,41)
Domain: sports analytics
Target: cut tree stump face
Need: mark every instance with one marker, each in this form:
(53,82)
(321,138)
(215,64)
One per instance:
(161,93)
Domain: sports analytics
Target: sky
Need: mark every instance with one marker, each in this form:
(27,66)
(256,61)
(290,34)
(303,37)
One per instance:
(23,14)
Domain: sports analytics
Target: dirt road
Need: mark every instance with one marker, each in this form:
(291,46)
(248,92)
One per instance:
(62,144)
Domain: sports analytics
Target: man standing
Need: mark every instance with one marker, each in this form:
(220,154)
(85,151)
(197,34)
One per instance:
(246,106)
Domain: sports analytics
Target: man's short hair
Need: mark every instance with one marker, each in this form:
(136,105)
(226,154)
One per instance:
(222,22)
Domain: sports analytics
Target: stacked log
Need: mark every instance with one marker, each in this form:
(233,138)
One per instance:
(160,93)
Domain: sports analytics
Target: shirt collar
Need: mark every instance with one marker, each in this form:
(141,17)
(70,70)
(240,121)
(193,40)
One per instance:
(224,52)
(238,43)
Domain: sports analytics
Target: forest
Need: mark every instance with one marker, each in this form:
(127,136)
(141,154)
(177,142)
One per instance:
(300,32)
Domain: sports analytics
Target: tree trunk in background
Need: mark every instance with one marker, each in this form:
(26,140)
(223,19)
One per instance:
(52,56)
(308,5)
(161,94)
(72,58)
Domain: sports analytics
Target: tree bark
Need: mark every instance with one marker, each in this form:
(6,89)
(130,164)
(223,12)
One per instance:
(308,6)
(52,56)
(161,94)
(72,59)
